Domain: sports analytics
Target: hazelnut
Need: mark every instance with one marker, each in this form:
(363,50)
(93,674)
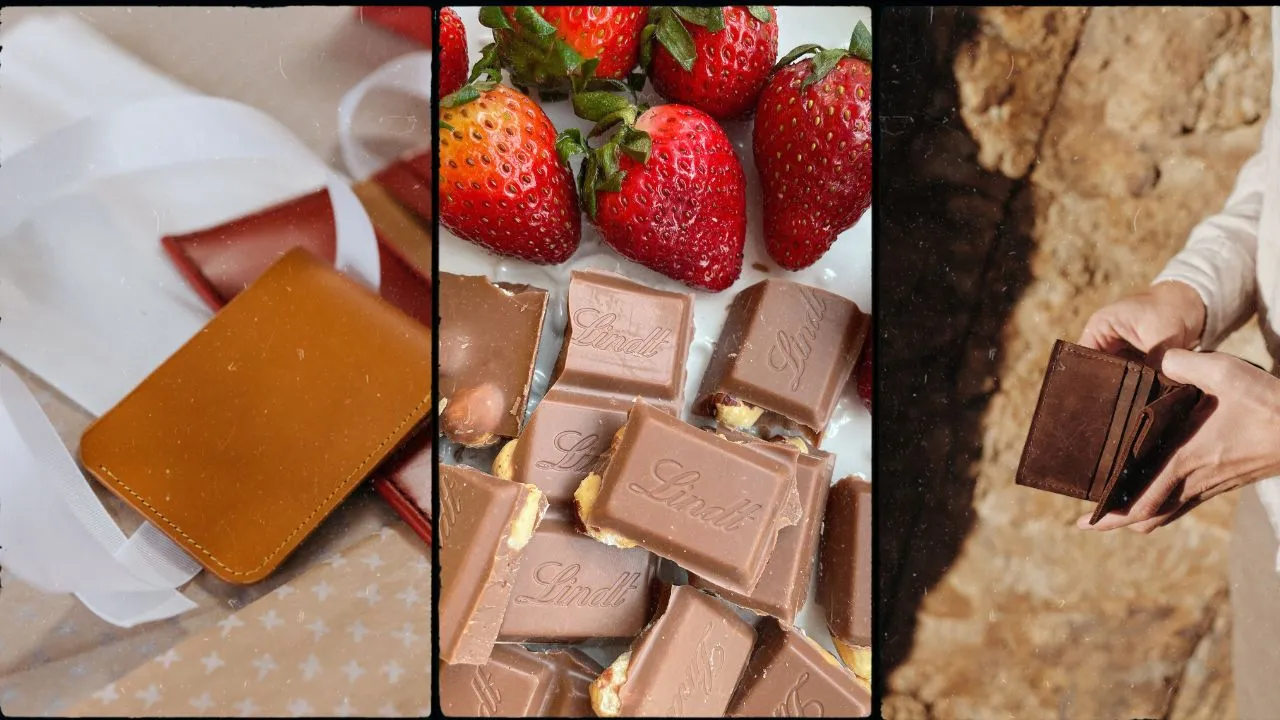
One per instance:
(472,415)
(504,463)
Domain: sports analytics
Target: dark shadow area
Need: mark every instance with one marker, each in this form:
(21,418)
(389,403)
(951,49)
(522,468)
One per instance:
(953,243)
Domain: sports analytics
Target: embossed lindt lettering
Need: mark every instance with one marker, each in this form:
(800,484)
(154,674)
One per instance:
(625,340)
(787,349)
(686,664)
(565,439)
(789,675)
(571,588)
(483,536)
(708,504)
(516,682)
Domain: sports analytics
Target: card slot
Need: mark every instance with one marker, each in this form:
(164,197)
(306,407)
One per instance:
(1111,499)
(1125,400)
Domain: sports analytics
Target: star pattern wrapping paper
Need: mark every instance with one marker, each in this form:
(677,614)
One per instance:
(350,637)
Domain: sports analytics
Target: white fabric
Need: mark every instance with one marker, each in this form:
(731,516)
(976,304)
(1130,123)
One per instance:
(1232,259)
(102,156)
(409,74)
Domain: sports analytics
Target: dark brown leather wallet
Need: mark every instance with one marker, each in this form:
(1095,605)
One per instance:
(1103,427)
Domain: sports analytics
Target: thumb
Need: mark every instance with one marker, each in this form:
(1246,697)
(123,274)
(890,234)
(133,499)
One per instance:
(1201,369)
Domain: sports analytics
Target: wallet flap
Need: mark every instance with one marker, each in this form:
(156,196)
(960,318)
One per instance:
(249,435)
(1173,405)
(1072,419)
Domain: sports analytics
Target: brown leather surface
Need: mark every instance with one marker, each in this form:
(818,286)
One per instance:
(1102,427)
(244,440)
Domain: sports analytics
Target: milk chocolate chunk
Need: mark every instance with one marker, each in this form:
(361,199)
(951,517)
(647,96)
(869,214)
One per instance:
(844,571)
(625,339)
(790,675)
(686,664)
(517,682)
(489,336)
(785,353)
(571,588)
(783,588)
(710,505)
(566,436)
(485,524)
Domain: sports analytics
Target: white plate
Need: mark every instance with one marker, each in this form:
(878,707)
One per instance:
(845,269)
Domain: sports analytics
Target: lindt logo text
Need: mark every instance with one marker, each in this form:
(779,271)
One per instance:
(575,450)
(791,351)
(559,587)
(701,672)
(449,508)
(488,697)
(675,487)
(794,704)
(595,329)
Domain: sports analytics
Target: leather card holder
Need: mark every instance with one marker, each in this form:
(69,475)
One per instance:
(251,433)
(1102,426)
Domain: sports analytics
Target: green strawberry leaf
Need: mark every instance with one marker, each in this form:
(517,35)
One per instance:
(570,144)
(637,145)
(625,116)
(488,64)
(492,17)
(609,158)
(596,105)
(791,56)
(612,183)
(675,37)
(760,12)
(823,63)
(462,96)
(860,44)
(646,41)
(635,81)
(529,19)
(590,176)
(445,126)
(711,18)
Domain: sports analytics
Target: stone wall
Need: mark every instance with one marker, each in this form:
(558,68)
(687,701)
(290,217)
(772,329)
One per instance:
(1059,158)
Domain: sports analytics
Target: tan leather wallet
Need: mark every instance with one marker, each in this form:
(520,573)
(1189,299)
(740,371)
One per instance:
(244,440)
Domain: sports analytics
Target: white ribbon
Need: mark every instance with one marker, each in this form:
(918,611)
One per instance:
(54,533)
(409,74)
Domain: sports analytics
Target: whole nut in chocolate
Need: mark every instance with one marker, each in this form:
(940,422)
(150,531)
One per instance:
(472,415)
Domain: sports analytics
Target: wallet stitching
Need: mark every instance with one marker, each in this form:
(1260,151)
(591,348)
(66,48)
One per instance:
(363,463)
(1052,379)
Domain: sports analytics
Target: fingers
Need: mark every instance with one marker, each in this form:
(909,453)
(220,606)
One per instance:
(1215,373)
(1102,335)
(1152,503)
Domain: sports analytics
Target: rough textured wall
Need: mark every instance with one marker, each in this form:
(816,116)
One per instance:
(1090,142)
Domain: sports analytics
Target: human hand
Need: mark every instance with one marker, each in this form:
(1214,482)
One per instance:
(1167,315)
(1236,441)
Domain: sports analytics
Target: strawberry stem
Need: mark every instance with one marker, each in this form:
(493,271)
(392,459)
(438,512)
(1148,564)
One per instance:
(600,170)
(825,60)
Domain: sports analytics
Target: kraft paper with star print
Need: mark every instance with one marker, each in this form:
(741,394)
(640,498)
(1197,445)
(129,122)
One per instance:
(350,637)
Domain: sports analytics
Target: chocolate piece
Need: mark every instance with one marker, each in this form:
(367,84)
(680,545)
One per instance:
(687,663)
(566,436)
(785,353)
(712,506)
(625,339)
(489,336)
(519,683)
(844,571)
(485,524)
(571,588)
(790,675)
(784,586)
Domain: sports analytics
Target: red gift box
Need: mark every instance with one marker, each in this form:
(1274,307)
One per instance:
(409,21)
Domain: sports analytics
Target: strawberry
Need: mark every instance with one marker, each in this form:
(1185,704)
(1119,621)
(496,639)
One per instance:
(812,144)
(666,190)
(865,369)
(501,184)
(453,52)
(543,46)
(715,59)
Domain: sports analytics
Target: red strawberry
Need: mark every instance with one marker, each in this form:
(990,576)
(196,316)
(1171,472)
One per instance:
(812,143)
(544,45)
(453,52)
(715,59)
(666,190)
(865,368)
(501,184)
